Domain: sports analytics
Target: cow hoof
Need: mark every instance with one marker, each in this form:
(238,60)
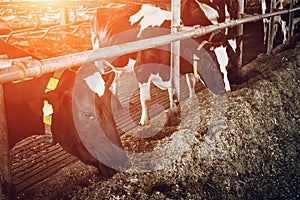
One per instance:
(175,108)
(144,123)
(198,80)
(173,119)
(193,96)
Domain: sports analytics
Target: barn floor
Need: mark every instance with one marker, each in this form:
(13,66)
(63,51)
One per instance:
(244,145)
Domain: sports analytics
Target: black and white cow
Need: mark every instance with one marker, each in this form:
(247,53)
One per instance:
(126,23)
(281,20)
(226,9)
(24,102)
(209,15)
(285,20)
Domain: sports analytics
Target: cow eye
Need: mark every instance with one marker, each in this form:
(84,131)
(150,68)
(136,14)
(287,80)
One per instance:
(88,115)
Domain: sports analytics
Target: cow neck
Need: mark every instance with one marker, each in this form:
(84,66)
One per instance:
(47,108)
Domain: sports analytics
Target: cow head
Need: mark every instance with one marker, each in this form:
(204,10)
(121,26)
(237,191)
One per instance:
(83,121)
(209,68)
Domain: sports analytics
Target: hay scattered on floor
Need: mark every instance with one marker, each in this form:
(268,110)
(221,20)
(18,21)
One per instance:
(245,146)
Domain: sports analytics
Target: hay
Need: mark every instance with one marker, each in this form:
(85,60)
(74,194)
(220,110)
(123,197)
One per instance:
(244,145)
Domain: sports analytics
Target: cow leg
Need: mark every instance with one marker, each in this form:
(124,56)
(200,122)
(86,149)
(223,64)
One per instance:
(223,60)
(145,97)
(225,78)
(174,102)
(114,88)
(95,41)
(284,29)
(114,84)
(170,91)
(265,21)
(296,21)
(191,82)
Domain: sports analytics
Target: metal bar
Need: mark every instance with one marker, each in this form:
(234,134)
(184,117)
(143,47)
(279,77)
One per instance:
(34,29)
(24,30)
(5,165)
(240,32)
(77,3)
(79,25)
(52,28)
(64,16)
(36,68)
(271,29)
(175,49)
(290,22)
(44,32)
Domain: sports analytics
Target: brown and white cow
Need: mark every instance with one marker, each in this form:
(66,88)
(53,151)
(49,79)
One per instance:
(78,113)
(126,23)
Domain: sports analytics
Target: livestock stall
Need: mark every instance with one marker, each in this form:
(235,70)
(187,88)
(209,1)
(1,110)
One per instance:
(51,64)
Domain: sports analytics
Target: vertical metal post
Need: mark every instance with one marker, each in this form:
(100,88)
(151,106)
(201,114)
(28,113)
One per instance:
(240,31)
(63,16)
(290,22)
(271,29)
(5,167)
(175,49)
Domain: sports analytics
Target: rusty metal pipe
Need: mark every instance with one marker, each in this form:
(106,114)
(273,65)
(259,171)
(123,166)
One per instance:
(24,30)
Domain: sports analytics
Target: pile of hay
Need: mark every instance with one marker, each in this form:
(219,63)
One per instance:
(244,145)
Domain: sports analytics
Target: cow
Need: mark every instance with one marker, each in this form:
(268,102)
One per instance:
(126,23)
(208,15)
(107,24)
(281,20)
(285,20)
(265,7)
(226,9)
(24,102)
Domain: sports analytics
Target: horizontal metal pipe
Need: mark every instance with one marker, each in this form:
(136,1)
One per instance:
(42,32)
(37,68)
(13,4)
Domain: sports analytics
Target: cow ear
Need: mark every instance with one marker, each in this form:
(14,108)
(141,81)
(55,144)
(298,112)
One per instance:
(37,105)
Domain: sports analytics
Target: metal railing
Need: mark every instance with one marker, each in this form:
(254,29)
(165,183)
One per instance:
(33,68)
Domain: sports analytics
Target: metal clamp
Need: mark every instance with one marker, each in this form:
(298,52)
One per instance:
(26,64)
